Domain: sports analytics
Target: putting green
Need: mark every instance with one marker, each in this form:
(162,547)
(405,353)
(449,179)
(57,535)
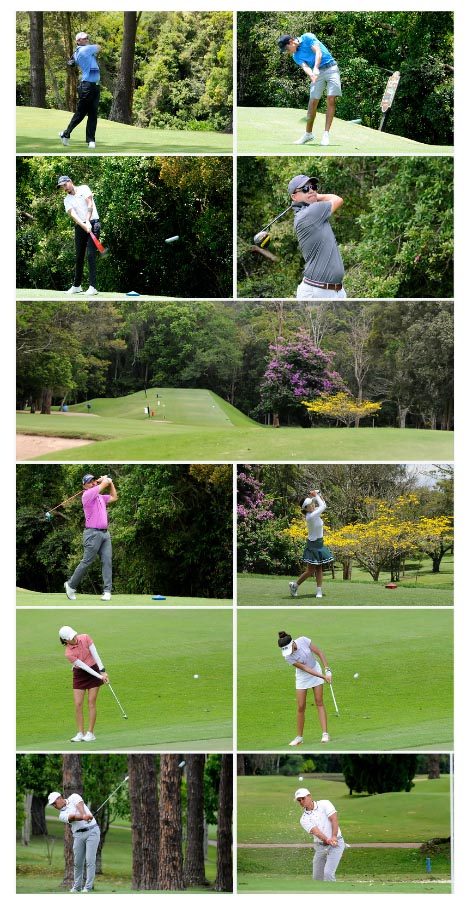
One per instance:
(37,132)
(193,424)
(274,131)
(152,657)
(26,598)
(402,699)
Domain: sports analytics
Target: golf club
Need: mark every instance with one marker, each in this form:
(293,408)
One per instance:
(119,703)
(262,238)
(334,700)
(99,246)
(111,794)
(48,513)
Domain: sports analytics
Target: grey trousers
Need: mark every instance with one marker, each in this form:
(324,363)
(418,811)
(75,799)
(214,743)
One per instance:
(85,846)
(326,861)
(95,543)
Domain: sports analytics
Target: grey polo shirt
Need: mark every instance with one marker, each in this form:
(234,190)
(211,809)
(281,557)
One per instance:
(323,260)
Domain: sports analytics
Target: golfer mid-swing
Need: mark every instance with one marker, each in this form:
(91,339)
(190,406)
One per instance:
(322,70)
(80,205)
(320,819)
(86,837)
(96,538)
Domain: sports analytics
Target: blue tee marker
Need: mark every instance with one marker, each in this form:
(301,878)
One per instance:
(158,597)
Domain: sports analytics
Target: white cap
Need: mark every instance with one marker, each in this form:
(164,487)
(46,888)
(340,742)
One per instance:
(307,502)
(302,792)
(52,797)
(81,35)
(66,633)
(287,649)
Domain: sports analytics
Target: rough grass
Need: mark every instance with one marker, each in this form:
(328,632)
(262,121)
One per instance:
(274,131)
(402,699)
(37,132)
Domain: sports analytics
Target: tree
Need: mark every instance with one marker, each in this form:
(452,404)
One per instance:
(434,766)
(342,407)
(71,783)
(121,108)
(224,879)
(143,796)
(171,851)
(37,69)
(194,873)
(379,773)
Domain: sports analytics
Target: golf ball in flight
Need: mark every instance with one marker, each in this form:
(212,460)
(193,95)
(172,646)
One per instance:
(356,675)
(196,676)
(300,778)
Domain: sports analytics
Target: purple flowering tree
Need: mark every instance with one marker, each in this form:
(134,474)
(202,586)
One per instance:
(262,544)
(298,370)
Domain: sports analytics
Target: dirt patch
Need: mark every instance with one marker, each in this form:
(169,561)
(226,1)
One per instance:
(33,446)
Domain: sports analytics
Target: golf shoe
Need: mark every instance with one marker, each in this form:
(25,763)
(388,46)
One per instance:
(297,741)
(293,588)
(307,137)
(69,591)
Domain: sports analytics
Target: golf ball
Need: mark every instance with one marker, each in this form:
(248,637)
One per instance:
(196,676)
(300,778)
(356,675)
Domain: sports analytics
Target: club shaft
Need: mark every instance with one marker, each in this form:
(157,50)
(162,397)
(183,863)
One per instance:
(334,699)
(111,794)
(117,699)
(66,500)
(277,218)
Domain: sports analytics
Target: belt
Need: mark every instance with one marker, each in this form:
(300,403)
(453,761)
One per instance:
(79,830)
(326,65)
(95,529)
(320,284)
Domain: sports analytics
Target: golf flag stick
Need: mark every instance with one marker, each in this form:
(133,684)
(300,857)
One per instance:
(117,699)
(99,246)
(334,699)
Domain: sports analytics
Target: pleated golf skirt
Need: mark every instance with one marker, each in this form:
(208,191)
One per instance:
(84,680)
(316,554)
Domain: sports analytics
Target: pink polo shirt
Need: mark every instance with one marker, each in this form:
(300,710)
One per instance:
(80,651)
(94,507)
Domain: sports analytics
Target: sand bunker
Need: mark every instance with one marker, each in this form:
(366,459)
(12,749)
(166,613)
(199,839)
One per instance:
(33,446)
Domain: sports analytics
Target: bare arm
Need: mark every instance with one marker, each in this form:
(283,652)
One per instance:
(301,666)
(336,201)
(321,836)
(80,814)
(315,72)
(334,828)
(104,482)
(85,225)
(319,654)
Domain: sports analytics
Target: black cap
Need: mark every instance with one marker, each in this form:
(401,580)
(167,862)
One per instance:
(282,41)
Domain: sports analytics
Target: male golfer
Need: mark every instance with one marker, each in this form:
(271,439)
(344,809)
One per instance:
(96,539)
(88,89)
(322,70)
(324,270)
(86,837)
(321,820)
(80,205)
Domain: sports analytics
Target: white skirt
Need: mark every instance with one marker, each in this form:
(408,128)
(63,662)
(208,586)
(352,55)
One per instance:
(304,680)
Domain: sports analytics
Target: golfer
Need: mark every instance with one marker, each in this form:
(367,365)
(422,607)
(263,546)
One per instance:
(80,205)
(88,676)
(320,819)
(316,555)
(322,70)
(88,89)
(324,269)
(86,837)
(299,652)
(96,538)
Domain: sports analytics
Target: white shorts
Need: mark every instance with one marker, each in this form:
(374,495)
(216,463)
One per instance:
(307,291)
(329,77)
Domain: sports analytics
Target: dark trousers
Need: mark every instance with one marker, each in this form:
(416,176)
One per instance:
(84,244)
(88,101)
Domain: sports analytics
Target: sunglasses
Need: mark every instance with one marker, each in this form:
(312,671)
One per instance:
(307,187)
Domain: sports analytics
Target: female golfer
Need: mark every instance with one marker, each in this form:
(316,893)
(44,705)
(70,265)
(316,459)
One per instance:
(316,555)
(88,675)
(308,675)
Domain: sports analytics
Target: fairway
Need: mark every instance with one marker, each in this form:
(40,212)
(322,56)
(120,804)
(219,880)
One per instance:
(193,424)
(274,131)
(269,590)
(152,658)
(267,815)
(46,294)
(402,699)
(37,132)
(26,598)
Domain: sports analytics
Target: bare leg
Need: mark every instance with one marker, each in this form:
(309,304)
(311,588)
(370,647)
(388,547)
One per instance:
(330,111)
(301,704)
(92,696)
(311,114)
(78,698)
(308,573)
(318,695)
(319,575)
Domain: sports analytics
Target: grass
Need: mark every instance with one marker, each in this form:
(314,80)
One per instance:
(402,699)
(266,814)
(37,132)
(193,424)
(46,294)
(274,131)
(37,875)
(25,598)
(151,657)
(419,587)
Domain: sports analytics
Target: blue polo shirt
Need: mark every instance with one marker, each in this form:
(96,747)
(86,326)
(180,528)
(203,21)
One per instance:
(305,54)
(85,57)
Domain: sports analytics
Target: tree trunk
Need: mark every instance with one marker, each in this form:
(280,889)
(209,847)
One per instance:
(434,770)
(194,872)
(224,879)
(71,783)
(402,415)
(143,799)
(72,73)
(38,816)
(347,568)
(36,57)
(171,831)
(26,829)
(121,108)
(240,765)
(46,401)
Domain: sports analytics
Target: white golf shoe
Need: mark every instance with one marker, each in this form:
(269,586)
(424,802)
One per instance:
(92,145)
(293,588)
(106,595)
(86,891)
(325,140)
(319,594)
(64,139)
(74,290)
(89,737)
(307,137)
(74,891)
(297,741)
(91,291)
(70,592)
(325,738)
(78,738)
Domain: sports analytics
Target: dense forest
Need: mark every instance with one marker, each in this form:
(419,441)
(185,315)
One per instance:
(368,47)
(158,69)
(398,354)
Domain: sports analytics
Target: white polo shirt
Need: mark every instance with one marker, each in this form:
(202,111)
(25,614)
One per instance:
(319,817)
(70,808)
(78,202)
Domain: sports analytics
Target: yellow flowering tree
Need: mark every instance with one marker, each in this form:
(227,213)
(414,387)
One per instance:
(343,407)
